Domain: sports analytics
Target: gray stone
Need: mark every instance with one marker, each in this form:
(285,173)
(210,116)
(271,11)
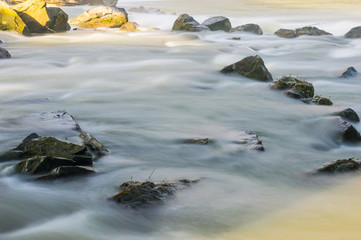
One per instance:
(4,53)
(187,23)
(354,33)
(218,23)
(349,73)
(249,28)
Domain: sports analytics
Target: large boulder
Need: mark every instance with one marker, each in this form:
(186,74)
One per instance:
(42,164)
(4,53)
(349,73)
(102,17)
(249,28)
(348,133)
(218,23)
(294,87)
(10,20)
(340,166)
(42,19)
(309,31)
(354,33)
(250,67)
(187,23)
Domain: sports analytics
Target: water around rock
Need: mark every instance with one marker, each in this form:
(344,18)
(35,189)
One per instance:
(349,73)
(187,23)
(348,114)
(309,31)
(10,20)
(218,23)
(4,53)
(354,33)
(340,166)
(248,28)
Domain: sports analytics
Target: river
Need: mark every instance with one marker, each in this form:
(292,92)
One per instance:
(139,93)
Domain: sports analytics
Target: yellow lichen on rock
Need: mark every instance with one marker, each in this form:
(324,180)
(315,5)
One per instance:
(10,21)
(129,27)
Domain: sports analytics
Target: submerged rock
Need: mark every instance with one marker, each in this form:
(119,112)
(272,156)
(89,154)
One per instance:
(296,88)
(350,72)
(340,166)
(187,23)
(250,139)
(102,17)
(218,23)
(354,33)
(42,19)
(67,171)
(309,31)
(249,28)
(129,27)
(11,21)
(250,67)
(198,141)
(4,53)
(136,194)
(348,114)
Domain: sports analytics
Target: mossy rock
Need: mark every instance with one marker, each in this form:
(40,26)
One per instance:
(297,88)
(187,23)
(322,101)
(11,21)
(129,27)
(101,17)
(42,164)
(40,19)
(67,171)
(251,67)
(340,166)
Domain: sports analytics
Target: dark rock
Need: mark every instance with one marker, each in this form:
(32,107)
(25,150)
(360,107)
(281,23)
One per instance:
(94,147)
(187,23)
(354,33)
(249,28)
(322,101)
(236,38)
(310,31)
(138,194)
(218,23)
(250,139)
(4,53)
(296,88)
(350,72)
(349,134)
(42,164)
(348,114)
(67,171)
(199,141)
(251,67)
(340,166)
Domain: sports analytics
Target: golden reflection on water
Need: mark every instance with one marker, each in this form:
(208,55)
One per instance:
(330,215)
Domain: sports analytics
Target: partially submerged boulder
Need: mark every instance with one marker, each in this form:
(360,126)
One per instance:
(4,53)
(218,23)
(354,33)
(249,28)
(198,141)
(136,194)
(250,139)
(42,19)
(102,16)
(309,31)
(42,164)
(294,87)
(67,171)
(348,114)
(129,27)
(322,101)
(187,23)
(349,73)
(340,166)
(348,133)
(250,67)
(10,20)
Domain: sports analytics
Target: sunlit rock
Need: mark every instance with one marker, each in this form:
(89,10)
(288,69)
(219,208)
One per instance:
(249,28)
(129,27)
(250,67)
(218,23)
(11,21)
(42,19)
(187,23)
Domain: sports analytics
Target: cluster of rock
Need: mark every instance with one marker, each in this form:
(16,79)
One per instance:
(309,31)
(219,23)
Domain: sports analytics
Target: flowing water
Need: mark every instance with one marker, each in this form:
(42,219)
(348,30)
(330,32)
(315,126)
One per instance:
(139,93)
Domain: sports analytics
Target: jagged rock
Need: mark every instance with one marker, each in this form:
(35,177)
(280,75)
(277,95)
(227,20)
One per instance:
(348,114)
(42,164)
(67,171)
(4,53)
(310,31)
(350,72)
(42,19)
(218,23)
(129,27)
(296,88)
(249,28)
(340,166)
(198,141)
(322,101)
(187,23)
(102,17)
(250,139)
(348,133)
(136,194)
(354,33)
(250,67)
(93,146)
(10,20)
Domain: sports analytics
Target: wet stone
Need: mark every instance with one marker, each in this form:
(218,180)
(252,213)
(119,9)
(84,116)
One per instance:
(340,166)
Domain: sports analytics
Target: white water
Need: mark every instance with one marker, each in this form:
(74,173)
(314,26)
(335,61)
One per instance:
(139,93)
